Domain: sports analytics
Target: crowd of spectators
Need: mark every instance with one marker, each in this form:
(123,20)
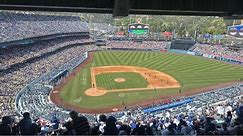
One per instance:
(37,101)
(21,64)
(22,25)
(102,28)
(215,118)
(13,80)
(34,97)
(11,56)
(219,51)
(219,112)
(162,121)
(145,45)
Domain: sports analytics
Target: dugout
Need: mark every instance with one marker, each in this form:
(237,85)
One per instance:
(58,76)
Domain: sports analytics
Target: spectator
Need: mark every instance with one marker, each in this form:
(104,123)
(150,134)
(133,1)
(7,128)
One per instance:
(124,130)
(55,122)
(236,127)
(5,126)
(169,130)
(26,127)
(224,129)
(186,130)
(228,117)
(102,122)
(80,124)
(69,129)
(110,128)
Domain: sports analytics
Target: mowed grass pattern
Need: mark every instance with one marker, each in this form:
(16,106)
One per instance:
(132,80)
(191,71)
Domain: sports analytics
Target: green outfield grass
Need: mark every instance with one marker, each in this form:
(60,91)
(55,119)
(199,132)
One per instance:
(132,80)
(191,71)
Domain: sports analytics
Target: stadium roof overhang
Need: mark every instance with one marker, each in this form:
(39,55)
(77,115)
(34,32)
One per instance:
(124,7)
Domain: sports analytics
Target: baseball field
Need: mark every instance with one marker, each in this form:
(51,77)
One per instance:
(112,79)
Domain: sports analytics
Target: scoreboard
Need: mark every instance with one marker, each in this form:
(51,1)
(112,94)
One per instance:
(236,31)
(138,29)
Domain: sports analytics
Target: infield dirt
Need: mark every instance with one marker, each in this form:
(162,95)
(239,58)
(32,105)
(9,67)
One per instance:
(155,79)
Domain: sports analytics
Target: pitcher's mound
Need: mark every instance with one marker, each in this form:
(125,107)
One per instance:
(95,92)
(120,80)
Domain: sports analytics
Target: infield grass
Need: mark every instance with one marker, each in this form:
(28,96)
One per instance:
(191,71)
(132,80)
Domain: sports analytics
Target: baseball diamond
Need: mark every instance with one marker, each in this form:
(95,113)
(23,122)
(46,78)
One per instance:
(148,76)
(152,79)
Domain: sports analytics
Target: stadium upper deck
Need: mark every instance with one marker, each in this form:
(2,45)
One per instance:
(17,26)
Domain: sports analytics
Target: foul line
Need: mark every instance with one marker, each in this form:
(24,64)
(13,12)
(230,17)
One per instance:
(93,84)
(139,89)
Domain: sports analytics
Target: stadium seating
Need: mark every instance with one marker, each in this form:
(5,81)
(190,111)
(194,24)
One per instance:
(18,25)
(145,45)
(187,119)
(28,72)
(219,52)
(10,58)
